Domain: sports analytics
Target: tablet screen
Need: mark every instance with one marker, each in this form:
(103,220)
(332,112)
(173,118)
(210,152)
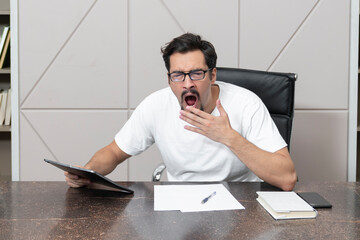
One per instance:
(90,174)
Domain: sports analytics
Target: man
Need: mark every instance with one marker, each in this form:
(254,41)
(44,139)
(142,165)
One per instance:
(205,130)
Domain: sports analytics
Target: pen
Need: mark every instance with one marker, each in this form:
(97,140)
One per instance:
(207,198)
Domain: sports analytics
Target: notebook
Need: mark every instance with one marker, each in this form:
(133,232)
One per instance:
(285,205)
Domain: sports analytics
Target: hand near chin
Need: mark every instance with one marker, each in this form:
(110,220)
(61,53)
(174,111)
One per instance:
(217,128)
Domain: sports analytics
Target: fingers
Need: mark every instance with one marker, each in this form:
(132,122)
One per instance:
(75,181)
(191,119)
(197,112)
(201,114)
(194,129)
(194,116)
(220,108)
(216,128)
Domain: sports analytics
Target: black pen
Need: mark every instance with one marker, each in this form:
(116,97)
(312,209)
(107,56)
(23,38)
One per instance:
(207,198)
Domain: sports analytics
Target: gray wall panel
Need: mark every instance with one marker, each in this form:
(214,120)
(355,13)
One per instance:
(266,27)
(91,62)
(75,56)
(319,53)
(44,27)
(68,136)
(319,145)
(141,167)
(151,25)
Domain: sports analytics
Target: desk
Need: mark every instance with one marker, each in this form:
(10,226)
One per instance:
(51,210)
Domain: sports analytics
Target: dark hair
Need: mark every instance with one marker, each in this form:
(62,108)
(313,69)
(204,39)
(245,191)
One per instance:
(186,43)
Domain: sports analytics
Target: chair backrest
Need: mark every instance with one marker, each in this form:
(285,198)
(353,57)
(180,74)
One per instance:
(275,89)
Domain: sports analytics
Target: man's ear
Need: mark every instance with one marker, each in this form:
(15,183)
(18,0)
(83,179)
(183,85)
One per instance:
(213,75)
(168,78)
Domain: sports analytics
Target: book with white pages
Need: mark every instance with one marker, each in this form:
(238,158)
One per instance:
(3,107)
(285,205)
(2,27)
(4,32)
(8,108)
(4,56)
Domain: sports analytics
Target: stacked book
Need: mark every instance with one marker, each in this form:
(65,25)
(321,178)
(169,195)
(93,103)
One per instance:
(5,94)
(285,205)
(5,107)
(4,46)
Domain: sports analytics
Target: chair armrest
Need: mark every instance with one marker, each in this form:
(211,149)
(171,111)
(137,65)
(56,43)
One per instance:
(158,171)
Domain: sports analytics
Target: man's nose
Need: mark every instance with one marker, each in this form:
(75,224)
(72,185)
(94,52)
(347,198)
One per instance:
(188,83)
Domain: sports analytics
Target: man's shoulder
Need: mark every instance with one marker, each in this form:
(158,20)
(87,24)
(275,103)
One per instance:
(234,91)
(164,92)
(159,95)
(157,100)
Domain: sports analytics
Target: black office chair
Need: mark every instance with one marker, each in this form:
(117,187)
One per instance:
(275,89)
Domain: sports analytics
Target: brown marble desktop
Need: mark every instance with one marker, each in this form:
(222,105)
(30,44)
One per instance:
(51,210)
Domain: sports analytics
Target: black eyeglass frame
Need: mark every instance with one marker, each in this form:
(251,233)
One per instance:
(188,73)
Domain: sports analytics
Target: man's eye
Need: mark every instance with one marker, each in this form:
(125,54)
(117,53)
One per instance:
(176,75)
(197,75)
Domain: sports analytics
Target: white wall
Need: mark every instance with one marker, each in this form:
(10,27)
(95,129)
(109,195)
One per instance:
(85,65)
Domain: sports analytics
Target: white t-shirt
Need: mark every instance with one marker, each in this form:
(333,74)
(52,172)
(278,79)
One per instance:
(190,156)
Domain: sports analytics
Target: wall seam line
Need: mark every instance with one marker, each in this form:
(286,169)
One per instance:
(57,54)
(276,59)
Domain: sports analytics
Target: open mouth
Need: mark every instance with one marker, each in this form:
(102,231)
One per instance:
(190,100)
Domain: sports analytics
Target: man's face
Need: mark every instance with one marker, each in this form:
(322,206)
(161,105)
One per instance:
(192,93)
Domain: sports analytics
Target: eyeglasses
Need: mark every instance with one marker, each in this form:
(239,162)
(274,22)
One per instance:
(193,75)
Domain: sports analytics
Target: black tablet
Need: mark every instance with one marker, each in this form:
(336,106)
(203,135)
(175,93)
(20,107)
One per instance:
(315,199)
(90,174)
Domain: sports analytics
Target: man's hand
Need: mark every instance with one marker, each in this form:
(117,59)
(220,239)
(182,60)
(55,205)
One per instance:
(76,181)
(104,162)
(275,168)
(216,128)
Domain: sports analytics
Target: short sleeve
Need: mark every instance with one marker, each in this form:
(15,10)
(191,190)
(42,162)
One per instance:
(137,134)
(262,130)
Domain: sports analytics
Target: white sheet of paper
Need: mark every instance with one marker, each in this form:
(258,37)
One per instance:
(187,198)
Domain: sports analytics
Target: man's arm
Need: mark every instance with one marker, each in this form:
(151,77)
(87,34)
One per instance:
(275,168)
(104,162)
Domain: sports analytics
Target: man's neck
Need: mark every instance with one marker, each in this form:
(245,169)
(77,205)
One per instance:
(215,91)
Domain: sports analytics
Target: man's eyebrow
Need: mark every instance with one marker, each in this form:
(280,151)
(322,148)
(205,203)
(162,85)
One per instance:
(195,69)
(176,71)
